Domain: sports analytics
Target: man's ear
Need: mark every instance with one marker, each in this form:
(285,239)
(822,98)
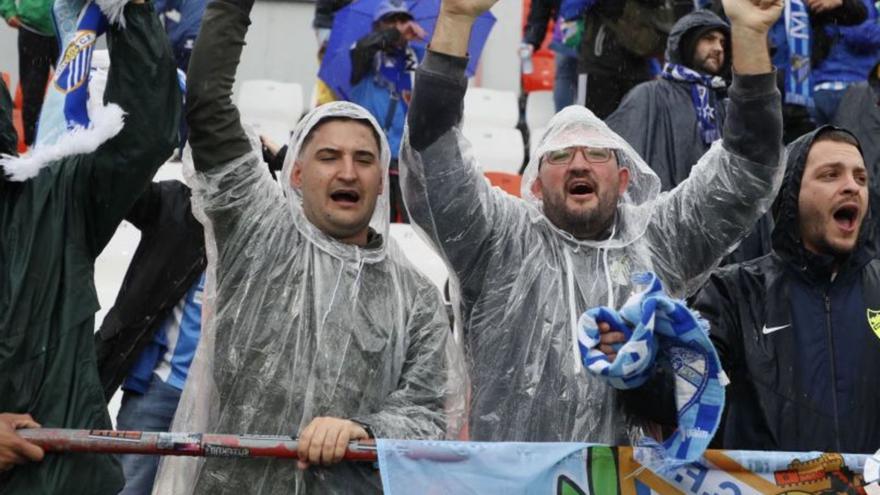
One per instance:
(537,190)
(623,177)
(296,175)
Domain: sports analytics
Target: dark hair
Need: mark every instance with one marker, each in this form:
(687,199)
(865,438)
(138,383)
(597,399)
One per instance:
(838,136)
(327,120)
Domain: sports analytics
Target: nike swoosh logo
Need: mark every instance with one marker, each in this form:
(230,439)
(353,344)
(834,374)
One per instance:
(768,331)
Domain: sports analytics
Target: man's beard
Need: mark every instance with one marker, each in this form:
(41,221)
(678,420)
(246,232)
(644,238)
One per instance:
(584,224)
(702,65)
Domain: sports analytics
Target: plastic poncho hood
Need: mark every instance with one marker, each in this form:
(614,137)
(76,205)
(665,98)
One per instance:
(381,213)
(578,126)
(299,325)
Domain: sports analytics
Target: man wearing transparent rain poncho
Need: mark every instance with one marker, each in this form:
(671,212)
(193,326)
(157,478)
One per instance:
(526,269)
(320,326)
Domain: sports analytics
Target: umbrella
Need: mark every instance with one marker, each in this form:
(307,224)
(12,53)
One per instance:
(355,21)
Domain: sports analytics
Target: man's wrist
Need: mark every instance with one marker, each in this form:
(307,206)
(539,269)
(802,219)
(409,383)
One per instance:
(452,34)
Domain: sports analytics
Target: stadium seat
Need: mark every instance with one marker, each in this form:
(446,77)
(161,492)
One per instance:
(490,108)
(539,110)
(510,183)
(420,253)
(273,108)
(495,149)
(111,265)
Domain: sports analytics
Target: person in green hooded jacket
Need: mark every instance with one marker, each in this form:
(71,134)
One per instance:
(52,228)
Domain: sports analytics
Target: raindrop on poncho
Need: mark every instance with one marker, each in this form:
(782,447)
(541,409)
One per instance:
(300,325)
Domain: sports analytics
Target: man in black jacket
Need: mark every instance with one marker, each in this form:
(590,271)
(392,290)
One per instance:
(798,330)
(149,337)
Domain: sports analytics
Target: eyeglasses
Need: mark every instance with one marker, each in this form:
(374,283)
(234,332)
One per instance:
(566,155)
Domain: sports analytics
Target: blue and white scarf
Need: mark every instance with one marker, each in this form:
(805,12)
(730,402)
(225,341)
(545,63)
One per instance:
(798,76)
(701,89)
(658,327)
(69,124)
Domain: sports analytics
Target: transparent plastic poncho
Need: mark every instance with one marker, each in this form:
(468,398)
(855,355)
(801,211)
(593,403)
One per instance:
(519,283)
(299,325)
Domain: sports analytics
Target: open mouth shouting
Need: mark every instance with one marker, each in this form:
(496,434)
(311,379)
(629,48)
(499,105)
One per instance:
(345,197)
(846,217)
(580,188)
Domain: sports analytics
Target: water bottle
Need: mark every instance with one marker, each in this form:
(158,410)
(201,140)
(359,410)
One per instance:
(525,57)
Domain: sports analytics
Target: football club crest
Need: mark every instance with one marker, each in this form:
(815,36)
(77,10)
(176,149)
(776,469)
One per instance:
(75,63)
(874,321)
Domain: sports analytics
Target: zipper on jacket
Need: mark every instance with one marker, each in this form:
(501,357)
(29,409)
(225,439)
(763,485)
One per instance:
(834,405)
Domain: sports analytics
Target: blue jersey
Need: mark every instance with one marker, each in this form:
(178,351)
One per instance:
(171,352)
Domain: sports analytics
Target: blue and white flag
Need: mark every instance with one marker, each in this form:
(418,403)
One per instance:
(74,119)
(658,327)
(798,76)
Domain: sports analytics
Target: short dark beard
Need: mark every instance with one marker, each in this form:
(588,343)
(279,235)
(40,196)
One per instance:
(589,225)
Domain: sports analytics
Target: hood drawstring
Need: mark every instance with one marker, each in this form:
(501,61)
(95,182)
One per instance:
(572,302)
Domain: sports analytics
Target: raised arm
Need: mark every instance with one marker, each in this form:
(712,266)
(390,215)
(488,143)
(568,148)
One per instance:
(143,82)
(735,181)
(215,131)
(445,193)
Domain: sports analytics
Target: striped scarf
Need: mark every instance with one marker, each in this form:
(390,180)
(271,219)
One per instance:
(658,327)
(701,88)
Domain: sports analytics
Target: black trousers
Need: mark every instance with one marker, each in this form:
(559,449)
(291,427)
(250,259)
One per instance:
(603,93)
(36,56)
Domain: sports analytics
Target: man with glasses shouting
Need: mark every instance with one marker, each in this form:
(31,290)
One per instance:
(591,216)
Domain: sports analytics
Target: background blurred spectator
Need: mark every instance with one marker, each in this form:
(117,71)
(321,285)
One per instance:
(619,39)
(37,54)
(541,12)
(797,49)
(673,120)
(859,112)
(382,65)
(853,52)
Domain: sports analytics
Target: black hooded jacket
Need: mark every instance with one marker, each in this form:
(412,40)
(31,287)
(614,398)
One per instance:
(801,347)
(169,259)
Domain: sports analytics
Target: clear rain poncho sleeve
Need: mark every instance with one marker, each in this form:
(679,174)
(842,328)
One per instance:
(519,283)
(299,326)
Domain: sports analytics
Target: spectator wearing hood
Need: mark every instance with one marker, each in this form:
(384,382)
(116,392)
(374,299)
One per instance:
(853,51)
(798,330)
(591,215)
(320,327)
(52,228)
(859,111)
(382,65)
(672,121)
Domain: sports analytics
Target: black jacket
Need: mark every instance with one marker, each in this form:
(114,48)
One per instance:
(169,259)
(8,135)
(541,12)
(802,349)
